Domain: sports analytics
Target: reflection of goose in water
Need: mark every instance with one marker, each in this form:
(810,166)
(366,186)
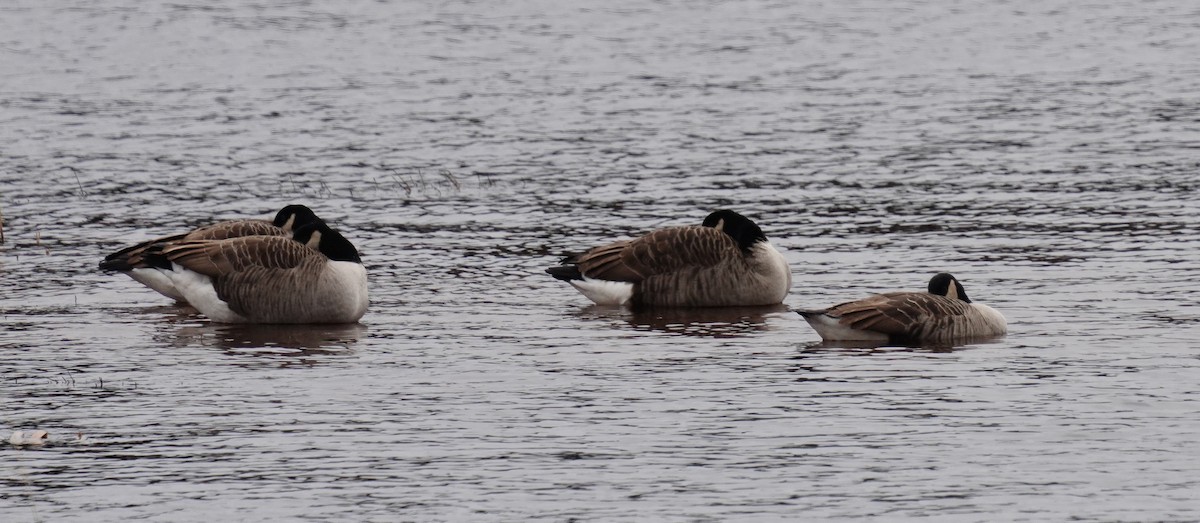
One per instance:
(287,340)
(943,315)
(713,322)
(185,327)
(869,347)
(725,262)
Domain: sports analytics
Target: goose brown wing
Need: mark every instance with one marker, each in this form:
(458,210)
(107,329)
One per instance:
(223,258)
(605,262)
(659,252)
(133,256)
(236,229)
(252,273)
(900,314)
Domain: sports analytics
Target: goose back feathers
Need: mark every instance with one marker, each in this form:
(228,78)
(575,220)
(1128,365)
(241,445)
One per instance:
(314,277)
(943,314)
(726,261)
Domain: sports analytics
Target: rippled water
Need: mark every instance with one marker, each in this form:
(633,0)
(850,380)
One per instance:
(1044,152)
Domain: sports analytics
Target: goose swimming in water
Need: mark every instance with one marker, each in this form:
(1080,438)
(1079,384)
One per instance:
(726,261)
(943,314)
(314,277)
(131,262)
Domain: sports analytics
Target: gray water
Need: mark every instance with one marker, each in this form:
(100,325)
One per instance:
(1047,153)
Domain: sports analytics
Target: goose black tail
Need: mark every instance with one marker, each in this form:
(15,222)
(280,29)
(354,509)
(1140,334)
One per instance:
(131,257)
(154,257)
(565,272)
(116,264)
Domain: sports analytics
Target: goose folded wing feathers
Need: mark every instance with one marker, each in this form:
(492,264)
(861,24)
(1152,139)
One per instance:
(670,250)
(659,252)
(219,258)
(608,262)
(876,313)
(134,256)
(237,229)
(900,314)
(246,271)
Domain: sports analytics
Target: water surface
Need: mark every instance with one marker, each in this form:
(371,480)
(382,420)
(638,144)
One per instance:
(1044,152)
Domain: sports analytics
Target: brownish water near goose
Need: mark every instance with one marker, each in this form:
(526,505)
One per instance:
(1045,152)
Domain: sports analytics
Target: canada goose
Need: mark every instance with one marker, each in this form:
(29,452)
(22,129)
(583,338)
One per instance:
(314,277)
(943,314)
(725,262)
(130,260)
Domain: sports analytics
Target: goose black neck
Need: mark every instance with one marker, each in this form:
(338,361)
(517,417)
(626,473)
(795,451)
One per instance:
(743,230)
(945,284)
(294,217)
(328,241)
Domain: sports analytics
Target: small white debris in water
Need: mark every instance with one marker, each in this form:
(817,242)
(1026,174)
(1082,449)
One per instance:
(81,439)
(33,437)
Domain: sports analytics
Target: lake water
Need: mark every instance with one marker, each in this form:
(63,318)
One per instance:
(1046,153)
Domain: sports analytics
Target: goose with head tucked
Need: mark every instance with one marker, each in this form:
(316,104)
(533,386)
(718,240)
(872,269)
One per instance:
(131,260)
(943,314)
(724,262)
(316,276)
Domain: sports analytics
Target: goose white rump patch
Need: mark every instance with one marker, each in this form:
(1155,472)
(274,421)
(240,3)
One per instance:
(604,292)
(831,329)
(157,280)
(199,291)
